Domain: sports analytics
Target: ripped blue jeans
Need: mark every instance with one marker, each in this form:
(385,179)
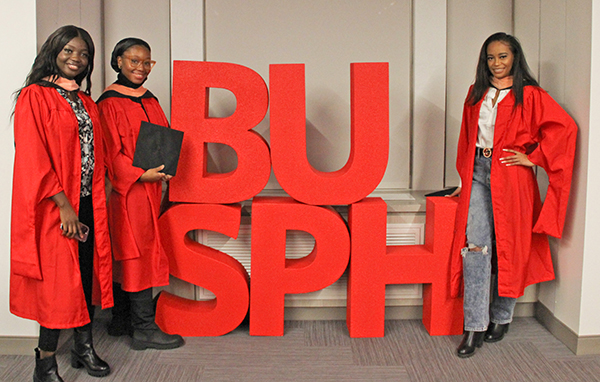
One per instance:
(477,265)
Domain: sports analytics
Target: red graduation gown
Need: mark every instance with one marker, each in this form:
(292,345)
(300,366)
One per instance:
(543,130)
(140,261)
(45,282)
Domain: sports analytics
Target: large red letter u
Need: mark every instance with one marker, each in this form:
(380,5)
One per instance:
(369,136)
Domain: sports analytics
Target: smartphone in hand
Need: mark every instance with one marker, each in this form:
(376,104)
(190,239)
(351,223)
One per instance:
(85,231)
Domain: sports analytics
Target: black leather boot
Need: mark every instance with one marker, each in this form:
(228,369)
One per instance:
(46,369)
(470,342)
(146,334)
(84,355)
(120,323)
(495,332)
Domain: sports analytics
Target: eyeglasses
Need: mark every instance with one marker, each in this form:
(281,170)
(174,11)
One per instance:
(136,62)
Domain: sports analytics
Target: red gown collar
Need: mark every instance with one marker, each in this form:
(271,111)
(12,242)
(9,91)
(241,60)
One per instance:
(127,91)
(69,85)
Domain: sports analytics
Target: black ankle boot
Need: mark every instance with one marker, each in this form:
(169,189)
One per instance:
(470,342)
(120,323)
(84,355)
(155,339)
(146,334)
(495,332)
(119,326)
(46,369)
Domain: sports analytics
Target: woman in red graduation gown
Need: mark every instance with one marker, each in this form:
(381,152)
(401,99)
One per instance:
(140,261)
(509,126)
(58,187)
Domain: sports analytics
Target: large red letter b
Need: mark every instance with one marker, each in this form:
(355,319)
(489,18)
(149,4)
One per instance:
(191,81)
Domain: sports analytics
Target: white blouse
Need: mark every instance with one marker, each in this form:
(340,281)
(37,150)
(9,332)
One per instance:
(487,117)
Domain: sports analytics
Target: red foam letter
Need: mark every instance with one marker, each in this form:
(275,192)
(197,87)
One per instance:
(373,265)
(203,266)
(191,81)
(369,136)
(273,276)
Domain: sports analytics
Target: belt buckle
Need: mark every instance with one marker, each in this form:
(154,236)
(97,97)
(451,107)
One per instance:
(487,152)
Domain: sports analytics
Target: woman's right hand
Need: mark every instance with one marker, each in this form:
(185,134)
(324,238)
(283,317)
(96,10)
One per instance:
(155,175)
(455,193)
(69,220)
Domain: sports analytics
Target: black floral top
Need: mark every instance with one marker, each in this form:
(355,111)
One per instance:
(86,140)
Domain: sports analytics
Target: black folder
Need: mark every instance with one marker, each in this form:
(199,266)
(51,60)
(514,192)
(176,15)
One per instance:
(442,192)
(157,145)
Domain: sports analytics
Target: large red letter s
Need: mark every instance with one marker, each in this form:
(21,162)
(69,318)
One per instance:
(191,82)
(203,266)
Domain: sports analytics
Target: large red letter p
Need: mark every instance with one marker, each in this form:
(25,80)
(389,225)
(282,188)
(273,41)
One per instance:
(273,275)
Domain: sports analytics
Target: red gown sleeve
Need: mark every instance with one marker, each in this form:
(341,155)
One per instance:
(34,179)
(120,167)
(556,134)
(463,143)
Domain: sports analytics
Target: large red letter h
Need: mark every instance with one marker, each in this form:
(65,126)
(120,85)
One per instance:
(373,265)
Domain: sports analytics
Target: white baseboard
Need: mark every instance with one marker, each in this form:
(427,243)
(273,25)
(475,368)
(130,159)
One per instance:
(18,345)
(580,345)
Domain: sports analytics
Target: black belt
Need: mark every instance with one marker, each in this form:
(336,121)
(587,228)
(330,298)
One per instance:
(485,152)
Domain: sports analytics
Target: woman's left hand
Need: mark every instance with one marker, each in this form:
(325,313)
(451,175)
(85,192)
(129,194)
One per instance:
(155,175)
(518,159)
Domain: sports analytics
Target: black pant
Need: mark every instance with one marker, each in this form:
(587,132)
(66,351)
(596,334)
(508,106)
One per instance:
(48,340)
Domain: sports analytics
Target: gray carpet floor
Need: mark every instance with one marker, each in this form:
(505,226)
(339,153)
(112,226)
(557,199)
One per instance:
(318,351)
